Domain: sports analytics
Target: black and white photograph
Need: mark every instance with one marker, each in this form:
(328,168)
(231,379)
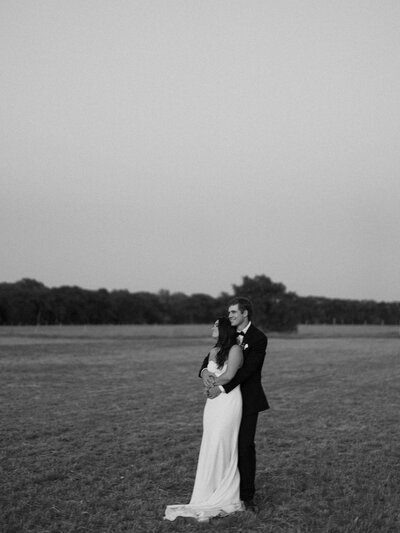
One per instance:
(200,267)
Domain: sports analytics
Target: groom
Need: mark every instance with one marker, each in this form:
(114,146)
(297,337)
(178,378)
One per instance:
(254,344)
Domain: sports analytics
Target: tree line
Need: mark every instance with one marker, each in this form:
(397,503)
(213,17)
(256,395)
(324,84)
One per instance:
(30,302)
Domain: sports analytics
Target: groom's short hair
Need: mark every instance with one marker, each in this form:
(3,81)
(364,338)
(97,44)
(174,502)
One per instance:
(244,305)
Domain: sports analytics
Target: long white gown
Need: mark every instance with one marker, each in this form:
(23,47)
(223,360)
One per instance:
(216,487)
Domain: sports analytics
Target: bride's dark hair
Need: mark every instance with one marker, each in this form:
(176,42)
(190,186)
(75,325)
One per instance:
(226,339)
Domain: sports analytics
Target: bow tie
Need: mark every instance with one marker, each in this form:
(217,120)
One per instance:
(240,333)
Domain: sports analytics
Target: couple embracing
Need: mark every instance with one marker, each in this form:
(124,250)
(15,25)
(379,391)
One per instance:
(231,374)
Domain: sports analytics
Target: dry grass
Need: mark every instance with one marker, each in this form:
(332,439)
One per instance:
(100,431)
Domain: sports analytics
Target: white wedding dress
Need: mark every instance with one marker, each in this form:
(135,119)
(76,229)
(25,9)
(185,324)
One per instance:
(216,487)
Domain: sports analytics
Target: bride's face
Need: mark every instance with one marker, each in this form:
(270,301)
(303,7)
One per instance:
(214,331)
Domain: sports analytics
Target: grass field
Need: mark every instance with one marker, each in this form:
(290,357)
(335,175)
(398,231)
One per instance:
(100,429)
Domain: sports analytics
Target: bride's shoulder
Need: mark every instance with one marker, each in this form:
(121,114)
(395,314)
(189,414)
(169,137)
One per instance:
(236,350)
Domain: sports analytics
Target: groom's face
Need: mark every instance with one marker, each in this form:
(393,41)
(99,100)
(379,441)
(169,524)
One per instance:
(236,316)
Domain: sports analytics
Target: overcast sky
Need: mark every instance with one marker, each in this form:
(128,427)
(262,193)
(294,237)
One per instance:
(182,144)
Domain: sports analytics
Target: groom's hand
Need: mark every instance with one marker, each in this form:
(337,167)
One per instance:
(208,379)
(213,392)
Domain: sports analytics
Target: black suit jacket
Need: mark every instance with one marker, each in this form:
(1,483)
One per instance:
(249,375)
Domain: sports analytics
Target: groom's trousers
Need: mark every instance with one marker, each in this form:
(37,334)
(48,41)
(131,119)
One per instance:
(247,456)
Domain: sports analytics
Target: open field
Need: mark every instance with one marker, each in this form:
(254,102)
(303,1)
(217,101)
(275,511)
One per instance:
(54,333)
(101,427)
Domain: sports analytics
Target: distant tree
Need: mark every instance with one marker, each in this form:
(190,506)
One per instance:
(99,307)
(147,308)
(221,304)
(135,308)
(23,302)
(202,308)
(274,308)
(179,309)
(74,305)
(122,307)
(30,302)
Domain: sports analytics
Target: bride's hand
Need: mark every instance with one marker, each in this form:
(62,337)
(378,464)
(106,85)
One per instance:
(208,378)
(213,392)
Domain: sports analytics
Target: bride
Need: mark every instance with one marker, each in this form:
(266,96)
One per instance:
(216,487)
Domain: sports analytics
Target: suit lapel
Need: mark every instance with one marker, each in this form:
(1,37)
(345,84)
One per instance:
(248,335)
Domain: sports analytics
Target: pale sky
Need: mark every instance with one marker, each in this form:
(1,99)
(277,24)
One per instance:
(182,144)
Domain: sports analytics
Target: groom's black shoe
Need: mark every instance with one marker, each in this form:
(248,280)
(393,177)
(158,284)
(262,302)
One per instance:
(250,506)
